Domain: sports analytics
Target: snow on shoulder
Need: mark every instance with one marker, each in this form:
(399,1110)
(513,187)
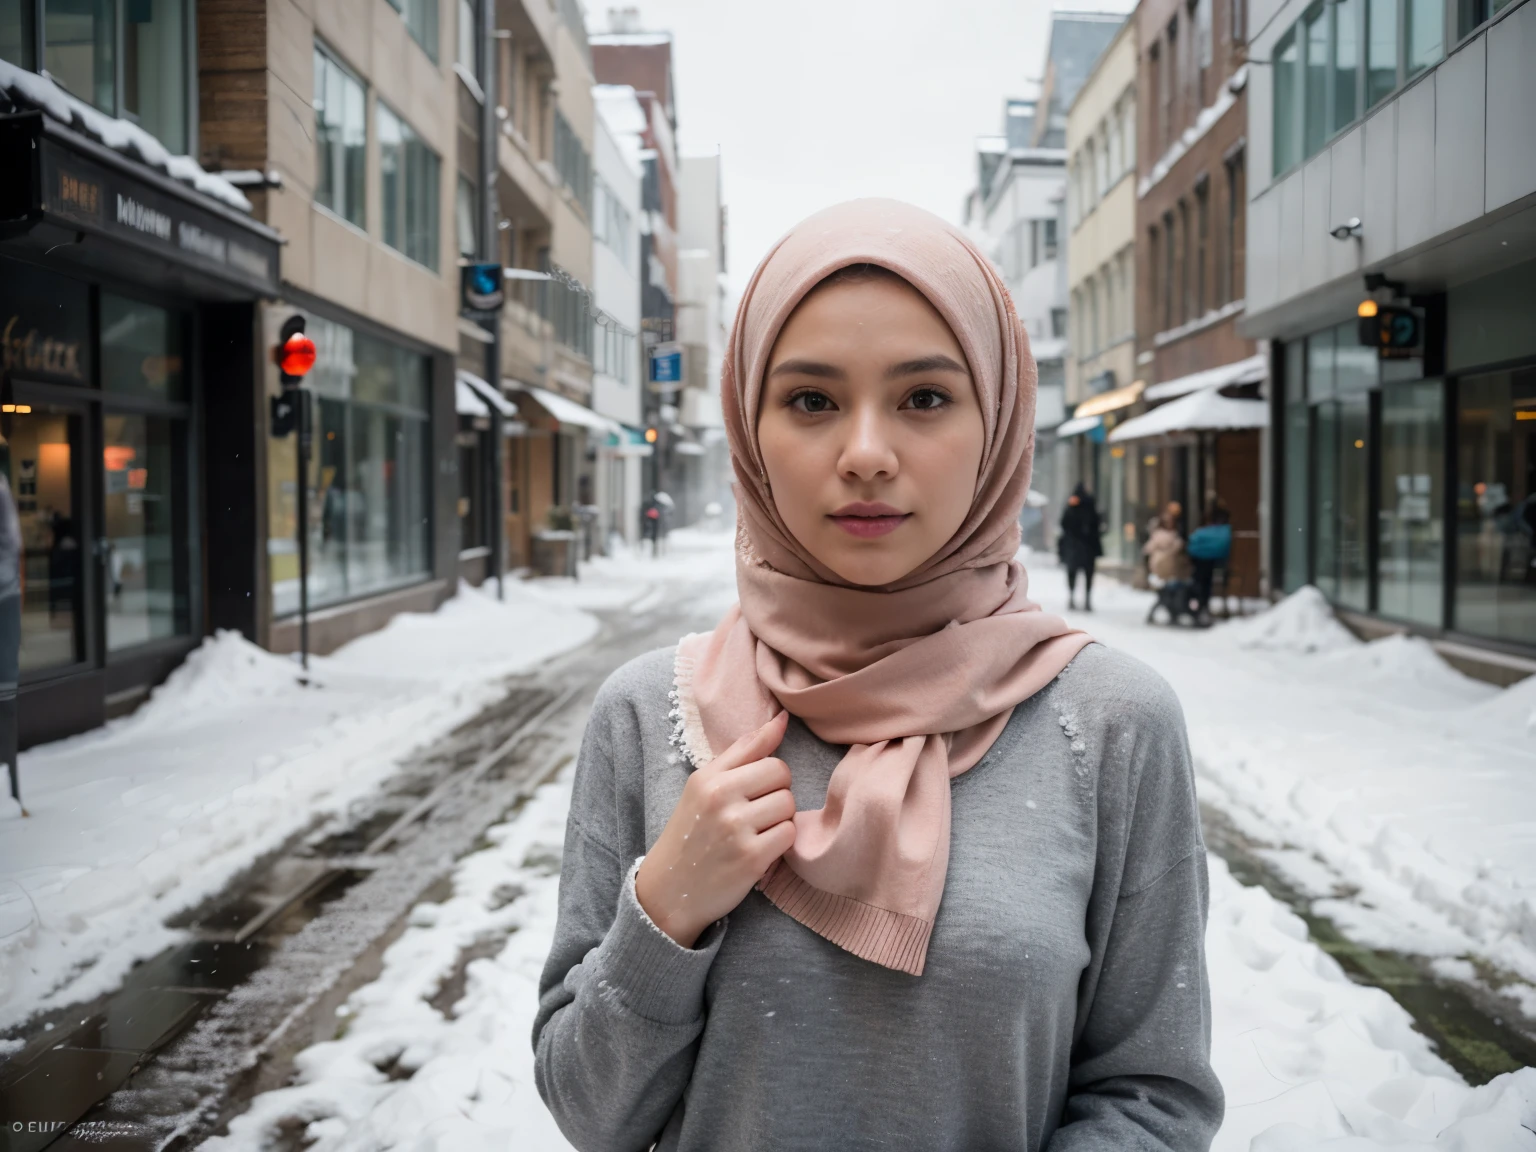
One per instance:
(1302,622)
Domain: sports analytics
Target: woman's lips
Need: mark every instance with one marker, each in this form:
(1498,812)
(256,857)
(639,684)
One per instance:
(868,521)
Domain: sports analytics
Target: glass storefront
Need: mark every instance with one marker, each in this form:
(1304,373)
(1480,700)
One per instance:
(1496,506)
(1411,553)
(1452,510)
(44,461)
(370,474)
(127,405)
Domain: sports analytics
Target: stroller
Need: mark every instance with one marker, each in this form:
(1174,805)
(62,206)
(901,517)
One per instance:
(1176,598)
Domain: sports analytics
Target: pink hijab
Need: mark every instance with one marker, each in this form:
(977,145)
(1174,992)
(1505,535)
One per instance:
(917,678)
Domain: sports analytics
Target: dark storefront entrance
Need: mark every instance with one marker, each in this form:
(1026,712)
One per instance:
(124,299)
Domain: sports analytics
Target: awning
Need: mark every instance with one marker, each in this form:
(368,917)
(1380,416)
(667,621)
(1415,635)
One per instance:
(467,402)
(1249,371)
(568,412)
(628,441)
(1203,411)
(1077,426)
(1111,401)
(491,396)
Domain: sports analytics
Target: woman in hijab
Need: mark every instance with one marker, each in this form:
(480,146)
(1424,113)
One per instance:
(891,858)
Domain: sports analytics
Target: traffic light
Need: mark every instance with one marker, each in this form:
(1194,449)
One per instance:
(1394,331)
(650,435)
(295,356)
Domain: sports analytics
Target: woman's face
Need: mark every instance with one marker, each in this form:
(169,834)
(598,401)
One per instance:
(870,429)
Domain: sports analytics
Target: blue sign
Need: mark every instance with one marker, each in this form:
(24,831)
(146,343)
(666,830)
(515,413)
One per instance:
(482,288)
(667,368)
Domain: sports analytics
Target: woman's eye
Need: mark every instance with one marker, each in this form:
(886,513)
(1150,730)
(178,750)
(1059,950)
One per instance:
(812,402)
(927,399)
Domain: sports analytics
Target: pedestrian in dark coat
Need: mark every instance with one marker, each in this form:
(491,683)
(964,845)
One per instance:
(1080,545)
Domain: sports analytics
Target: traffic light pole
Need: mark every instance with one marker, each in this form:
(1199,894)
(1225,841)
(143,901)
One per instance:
(303,436)
(490,251)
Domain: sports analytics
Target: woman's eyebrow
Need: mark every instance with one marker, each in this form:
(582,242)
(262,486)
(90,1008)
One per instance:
(938,363)
(809,368)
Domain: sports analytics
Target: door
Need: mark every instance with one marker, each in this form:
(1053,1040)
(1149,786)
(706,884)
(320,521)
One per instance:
(44,458)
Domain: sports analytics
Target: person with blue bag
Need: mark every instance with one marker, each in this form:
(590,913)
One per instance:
(1209,545)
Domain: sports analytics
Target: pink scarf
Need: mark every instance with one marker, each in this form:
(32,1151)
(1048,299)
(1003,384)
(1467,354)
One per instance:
(917,678)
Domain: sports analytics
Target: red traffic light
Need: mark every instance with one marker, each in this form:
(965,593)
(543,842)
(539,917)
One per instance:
(296,356)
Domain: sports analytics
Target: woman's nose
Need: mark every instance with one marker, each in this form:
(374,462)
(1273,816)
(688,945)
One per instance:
(868,453)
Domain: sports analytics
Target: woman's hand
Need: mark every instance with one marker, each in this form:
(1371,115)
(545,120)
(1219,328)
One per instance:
(735,818)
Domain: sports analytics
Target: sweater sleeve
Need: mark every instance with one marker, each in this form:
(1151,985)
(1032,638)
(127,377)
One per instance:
(621,1004)
(1141,1076)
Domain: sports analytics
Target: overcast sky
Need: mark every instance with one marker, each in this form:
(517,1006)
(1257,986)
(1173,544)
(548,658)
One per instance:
(816,101)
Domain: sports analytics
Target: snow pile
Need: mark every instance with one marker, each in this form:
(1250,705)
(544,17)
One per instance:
(40,91)
(1305,1055)
(1302,622)
(1513,710)
(635,579)
(1409,659)
(138,821)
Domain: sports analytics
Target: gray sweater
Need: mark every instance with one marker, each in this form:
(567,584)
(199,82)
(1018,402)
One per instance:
(1064,1004)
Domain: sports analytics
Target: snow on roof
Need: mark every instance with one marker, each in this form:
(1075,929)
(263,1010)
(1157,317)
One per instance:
(1250,371)
(1206,410)
(630,39)
(39,91)
(991,144)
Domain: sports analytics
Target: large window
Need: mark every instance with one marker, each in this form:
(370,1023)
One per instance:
(612,225)
(370,473)
(420,18)
(409,174)
(341,138)
(143,362)
(1298,468)
(1340,374)
(1411,552)
(1496,506)
(1320,87)
(572,161)
(125,59)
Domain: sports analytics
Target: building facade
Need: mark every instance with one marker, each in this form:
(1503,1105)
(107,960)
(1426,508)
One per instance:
(157,503)
(1101,272)
(1393,159)
(1182,440)
(1019,210)
(704,469)
(618,387)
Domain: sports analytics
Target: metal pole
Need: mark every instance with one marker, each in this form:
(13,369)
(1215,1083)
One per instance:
(303,524)
(490,250)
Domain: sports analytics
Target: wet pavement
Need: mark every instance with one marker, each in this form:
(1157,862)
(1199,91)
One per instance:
(192,1034)
(1474,1030)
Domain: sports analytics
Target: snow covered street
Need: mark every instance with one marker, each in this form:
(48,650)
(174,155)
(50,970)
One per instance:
(435,1054)
(1376,780)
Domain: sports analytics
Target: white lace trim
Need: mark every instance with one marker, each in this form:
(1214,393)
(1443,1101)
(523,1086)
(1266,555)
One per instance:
(687,725)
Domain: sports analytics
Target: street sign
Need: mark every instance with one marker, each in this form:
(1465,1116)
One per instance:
(666,364)
(481,288)
(1395,332)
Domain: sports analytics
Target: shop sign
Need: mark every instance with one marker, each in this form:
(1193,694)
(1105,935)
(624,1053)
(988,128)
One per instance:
(99,194)
(666,364)
(44,327)
(1395,332)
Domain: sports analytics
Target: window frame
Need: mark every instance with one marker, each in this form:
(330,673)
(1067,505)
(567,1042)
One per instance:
(342,209)
(409,137)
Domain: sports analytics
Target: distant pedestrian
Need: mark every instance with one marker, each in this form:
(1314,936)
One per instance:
(1081,543)
(1210,547)
(10,632)
(889,858)
(1164,550)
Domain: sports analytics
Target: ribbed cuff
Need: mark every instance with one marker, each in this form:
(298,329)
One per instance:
(652,974)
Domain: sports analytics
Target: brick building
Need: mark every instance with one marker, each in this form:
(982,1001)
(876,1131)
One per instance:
(1197,437)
